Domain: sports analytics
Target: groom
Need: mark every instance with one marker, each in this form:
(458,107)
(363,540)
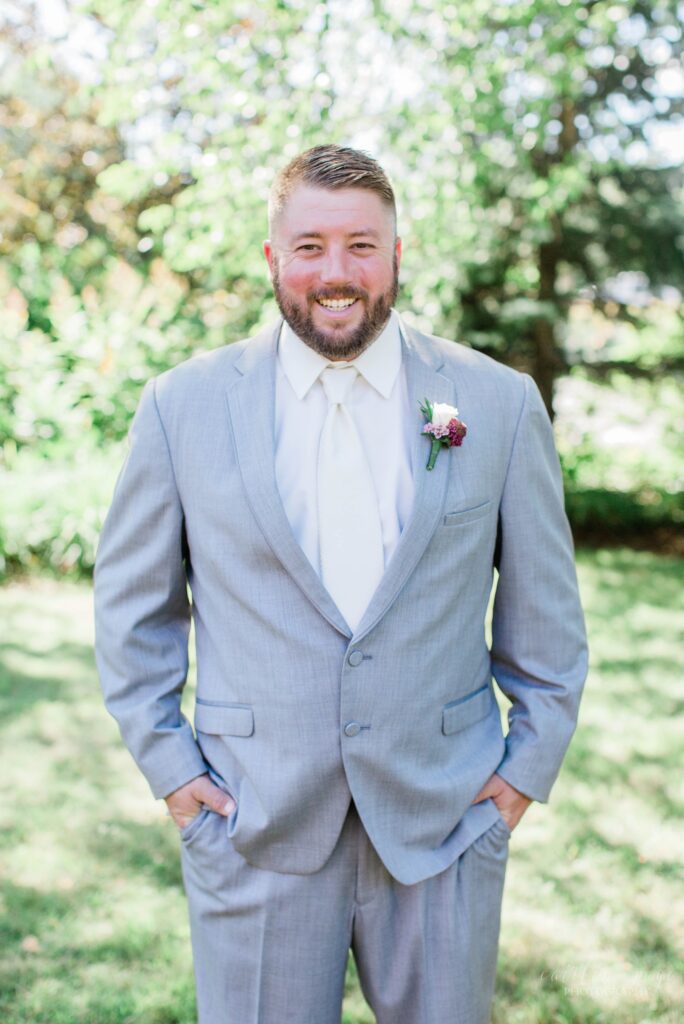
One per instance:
(348,783)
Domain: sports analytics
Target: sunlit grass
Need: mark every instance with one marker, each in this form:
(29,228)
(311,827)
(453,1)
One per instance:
(93,926)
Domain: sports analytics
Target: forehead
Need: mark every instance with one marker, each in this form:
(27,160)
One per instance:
(345,210)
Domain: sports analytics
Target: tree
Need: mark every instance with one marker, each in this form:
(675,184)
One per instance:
(535,123)
(517,133)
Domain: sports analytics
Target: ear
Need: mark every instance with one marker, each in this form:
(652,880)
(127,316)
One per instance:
(397,252)
(269,254)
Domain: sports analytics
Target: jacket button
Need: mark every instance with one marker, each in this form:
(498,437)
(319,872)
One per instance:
(355,658)
(352,729)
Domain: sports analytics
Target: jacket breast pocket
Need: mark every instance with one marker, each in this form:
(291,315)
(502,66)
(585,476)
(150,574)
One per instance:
(468,515)
(458,714)
(224,719)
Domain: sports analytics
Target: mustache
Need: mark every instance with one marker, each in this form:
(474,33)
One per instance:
(337,293)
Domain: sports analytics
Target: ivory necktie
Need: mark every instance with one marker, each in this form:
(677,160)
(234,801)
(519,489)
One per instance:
(349,530)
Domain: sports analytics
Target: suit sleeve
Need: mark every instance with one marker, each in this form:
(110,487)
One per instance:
(539,650)
(142,611)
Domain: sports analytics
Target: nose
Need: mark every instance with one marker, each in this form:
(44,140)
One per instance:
(335,269)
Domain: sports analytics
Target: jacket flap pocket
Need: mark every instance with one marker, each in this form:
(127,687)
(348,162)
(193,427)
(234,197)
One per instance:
(224,719)
(467,710)
(468,515)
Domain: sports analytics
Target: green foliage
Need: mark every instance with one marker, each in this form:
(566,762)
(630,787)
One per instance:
(238,89)
(540,167)
(640,418)
(519,127)
(52,510)
(602,512)
(537,224)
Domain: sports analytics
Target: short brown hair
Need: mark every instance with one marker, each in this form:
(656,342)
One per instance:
(331,167)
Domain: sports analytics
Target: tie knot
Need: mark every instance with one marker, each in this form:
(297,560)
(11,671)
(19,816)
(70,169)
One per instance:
(337,383)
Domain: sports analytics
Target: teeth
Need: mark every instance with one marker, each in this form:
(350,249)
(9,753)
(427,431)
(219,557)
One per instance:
(336,303)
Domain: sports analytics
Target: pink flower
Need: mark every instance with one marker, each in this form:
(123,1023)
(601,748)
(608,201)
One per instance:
(436,430)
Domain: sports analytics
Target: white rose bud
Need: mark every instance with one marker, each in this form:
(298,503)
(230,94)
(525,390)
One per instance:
(442,414)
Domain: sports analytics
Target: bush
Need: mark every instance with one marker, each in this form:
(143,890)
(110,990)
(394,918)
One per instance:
(52,510)
(623,513)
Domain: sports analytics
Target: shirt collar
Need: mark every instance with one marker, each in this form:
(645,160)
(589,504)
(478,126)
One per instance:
(379,364)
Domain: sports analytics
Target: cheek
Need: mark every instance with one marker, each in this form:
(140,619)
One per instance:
(299,281)
(299,285)
(377,285)
(378,275)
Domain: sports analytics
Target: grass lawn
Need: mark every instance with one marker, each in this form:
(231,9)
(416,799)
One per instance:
(92,918)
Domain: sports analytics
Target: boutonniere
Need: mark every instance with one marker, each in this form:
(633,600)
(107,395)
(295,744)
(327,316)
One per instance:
(443,427)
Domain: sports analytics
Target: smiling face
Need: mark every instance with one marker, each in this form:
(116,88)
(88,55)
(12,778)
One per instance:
(334,262)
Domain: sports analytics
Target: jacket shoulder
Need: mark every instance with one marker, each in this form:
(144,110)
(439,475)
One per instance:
(203,370)
(476,371)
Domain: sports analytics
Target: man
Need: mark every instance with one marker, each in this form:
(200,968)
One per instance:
(349,784)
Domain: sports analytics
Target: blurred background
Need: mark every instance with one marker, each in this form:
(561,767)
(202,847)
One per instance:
(536,148)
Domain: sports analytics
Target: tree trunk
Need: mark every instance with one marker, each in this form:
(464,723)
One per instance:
(545,367)
(547,363)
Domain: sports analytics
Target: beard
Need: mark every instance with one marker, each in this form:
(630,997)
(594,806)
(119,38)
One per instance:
(338,343)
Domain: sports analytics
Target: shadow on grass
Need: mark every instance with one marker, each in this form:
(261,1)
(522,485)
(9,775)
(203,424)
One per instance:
(149,851)
(586,759)
(19,692)
(21,689)
(28,911)
(652,946)
(65,650)
(543,992)
(626,855)
(628,577)
(49,975)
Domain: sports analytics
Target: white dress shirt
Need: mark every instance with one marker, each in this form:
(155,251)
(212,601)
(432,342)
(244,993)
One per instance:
(379,407)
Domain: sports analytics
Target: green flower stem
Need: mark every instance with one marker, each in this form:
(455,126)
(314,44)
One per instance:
(434,452)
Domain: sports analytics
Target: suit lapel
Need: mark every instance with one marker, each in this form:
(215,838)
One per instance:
(251,404)
(424,381)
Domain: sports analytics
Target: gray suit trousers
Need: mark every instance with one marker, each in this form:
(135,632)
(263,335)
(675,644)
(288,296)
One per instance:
(271,948)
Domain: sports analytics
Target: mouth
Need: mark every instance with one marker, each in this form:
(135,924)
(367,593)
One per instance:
(336,307)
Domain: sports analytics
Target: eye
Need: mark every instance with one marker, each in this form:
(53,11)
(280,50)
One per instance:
(363,245)
(308,247)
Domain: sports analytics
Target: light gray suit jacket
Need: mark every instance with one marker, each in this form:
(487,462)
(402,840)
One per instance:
(294,714)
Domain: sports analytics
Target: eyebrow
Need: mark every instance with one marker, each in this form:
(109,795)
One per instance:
(364,232)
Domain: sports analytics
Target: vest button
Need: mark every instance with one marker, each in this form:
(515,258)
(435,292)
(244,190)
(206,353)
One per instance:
(355,658)
(352,729)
